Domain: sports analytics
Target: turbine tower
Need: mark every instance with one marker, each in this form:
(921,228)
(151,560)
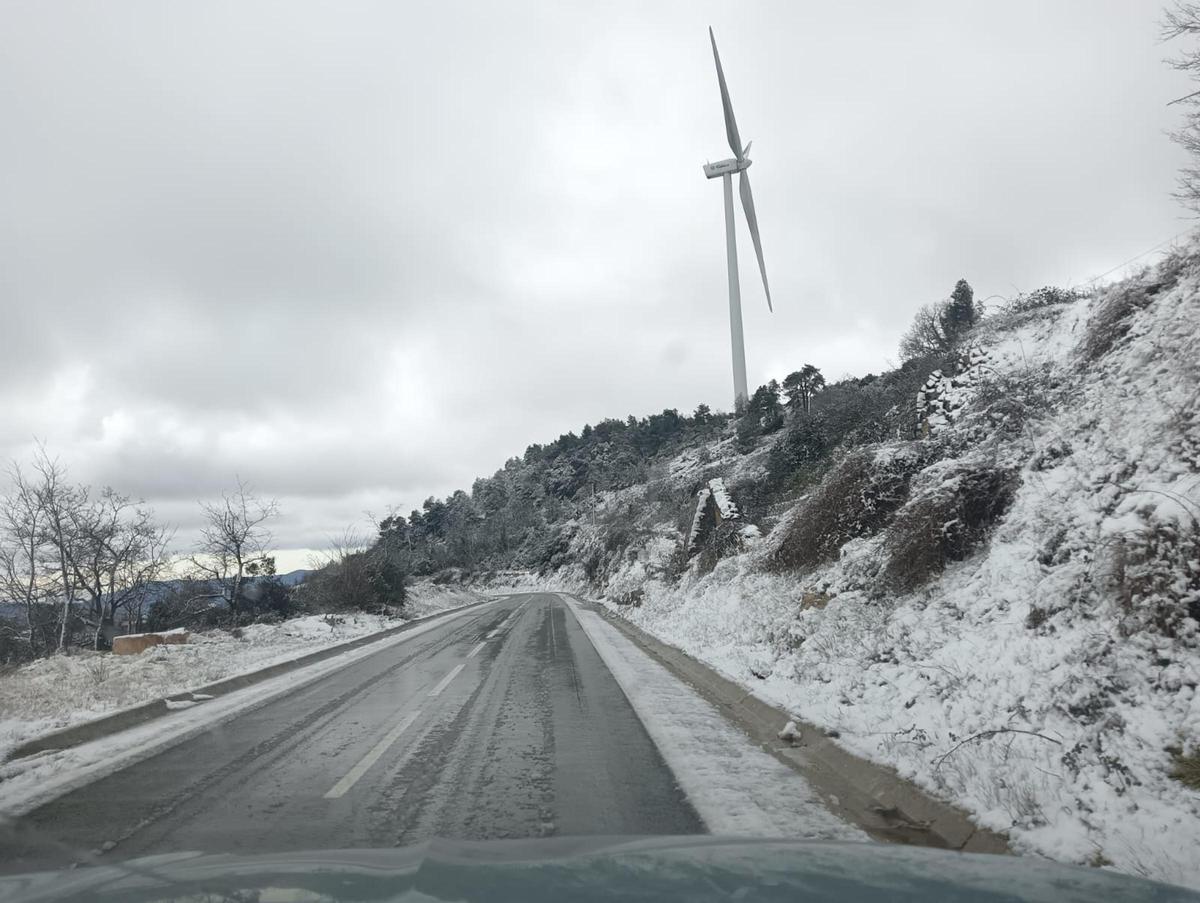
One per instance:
(725,169)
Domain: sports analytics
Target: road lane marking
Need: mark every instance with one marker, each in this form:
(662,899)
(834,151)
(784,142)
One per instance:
(352,776)
(445,681)
(473,652)
(504,623)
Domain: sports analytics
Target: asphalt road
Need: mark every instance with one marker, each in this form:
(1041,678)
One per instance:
(502,723)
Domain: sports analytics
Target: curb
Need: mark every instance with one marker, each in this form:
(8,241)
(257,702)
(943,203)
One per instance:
(126,718)
(872,796)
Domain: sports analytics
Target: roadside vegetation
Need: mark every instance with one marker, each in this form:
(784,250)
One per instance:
(80,565)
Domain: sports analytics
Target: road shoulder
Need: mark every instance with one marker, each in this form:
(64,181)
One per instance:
(736,787)
(863,793)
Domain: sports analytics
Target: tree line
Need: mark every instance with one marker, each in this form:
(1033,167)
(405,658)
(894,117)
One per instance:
(80,564)
(515,517)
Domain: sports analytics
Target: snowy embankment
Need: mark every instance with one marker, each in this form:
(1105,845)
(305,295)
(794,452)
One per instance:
(64,690)
(1048,680)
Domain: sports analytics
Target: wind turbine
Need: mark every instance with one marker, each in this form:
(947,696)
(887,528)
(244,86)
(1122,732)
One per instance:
(725,169)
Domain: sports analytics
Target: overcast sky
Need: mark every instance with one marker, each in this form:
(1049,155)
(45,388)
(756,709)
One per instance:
(361,253)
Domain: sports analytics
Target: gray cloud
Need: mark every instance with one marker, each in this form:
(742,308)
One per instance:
(361,254)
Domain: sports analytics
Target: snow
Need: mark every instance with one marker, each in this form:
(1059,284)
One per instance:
(56,692)
(721,496)
(137,636)
(702,497)
(735,787)
(1018,685)
(28,783)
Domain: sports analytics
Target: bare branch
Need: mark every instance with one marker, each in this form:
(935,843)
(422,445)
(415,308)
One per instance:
(987,735)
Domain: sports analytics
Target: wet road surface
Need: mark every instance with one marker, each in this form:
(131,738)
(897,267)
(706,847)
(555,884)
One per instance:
(501,723)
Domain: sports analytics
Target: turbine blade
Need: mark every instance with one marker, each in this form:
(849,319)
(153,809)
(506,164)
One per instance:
(752,221)
(731,131)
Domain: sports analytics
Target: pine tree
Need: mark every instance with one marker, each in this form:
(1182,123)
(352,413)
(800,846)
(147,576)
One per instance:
(801,386)
(959,314)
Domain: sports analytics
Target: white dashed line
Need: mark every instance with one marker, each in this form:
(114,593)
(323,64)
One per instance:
(474,651)
(445,681)
(352,776)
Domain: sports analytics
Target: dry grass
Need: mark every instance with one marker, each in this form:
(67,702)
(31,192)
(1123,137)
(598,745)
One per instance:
(1113,316)
(856,498)
(946,524)
(1187,770)
(1112,319)
(1155,576)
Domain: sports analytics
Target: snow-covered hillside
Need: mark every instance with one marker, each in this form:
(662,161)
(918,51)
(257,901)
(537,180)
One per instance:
(1005,609)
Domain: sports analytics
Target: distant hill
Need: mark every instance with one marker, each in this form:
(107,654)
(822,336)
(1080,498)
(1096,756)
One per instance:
(291,578)
(161,588)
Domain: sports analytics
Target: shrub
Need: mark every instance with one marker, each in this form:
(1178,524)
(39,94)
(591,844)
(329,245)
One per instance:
(362,581)
(1042,298)
(266,600)
(188,603)
(854,499)
(721,541)
(849,413)
(1011,399)
(1186,769)
(946,524)
(1112,319)
(1156,574)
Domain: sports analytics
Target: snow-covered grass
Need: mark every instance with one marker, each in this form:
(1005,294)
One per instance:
(62,690)
(1046,682)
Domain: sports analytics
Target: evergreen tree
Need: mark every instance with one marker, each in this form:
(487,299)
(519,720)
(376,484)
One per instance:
(959,314)
(801,386)
(764,413)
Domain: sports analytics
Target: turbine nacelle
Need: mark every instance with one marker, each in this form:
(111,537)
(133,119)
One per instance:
(725,167)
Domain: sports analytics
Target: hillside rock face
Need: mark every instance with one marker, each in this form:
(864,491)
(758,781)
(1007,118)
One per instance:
(1013,589)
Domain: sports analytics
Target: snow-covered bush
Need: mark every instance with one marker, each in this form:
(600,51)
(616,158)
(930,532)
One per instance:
(1007,401)
(855,499)
(946,521)
(1112,318)
(1155,572)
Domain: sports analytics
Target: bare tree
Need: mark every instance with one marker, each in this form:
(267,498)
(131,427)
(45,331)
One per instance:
(25,576)
(58,501)
(927,334)
(61,543)
(234,543)
(1183,21)
(117,552)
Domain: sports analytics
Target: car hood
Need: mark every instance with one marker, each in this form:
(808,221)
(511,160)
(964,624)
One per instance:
(587,869)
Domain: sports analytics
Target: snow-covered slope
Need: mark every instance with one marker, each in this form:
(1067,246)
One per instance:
(1016,629)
